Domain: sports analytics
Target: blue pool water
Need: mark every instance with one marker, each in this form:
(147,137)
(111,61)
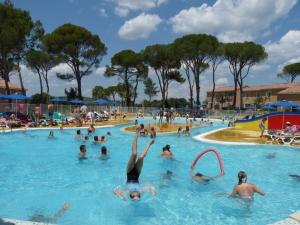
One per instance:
(38,175)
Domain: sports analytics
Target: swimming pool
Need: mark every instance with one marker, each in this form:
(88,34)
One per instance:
(38,175)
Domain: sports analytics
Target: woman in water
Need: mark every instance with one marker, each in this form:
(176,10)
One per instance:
(82,152)
(134,169)
(245,190)
(78,135)
(166,152)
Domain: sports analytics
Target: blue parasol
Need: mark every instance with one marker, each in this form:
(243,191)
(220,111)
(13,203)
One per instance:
(77,102)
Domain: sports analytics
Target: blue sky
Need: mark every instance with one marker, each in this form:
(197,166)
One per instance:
(134,24)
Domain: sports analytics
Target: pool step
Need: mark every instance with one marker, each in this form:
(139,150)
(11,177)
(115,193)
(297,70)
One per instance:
(4,221)
(294,219)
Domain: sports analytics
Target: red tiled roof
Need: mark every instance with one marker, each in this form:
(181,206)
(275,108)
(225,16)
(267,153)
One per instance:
(291,90)
(284,86)
(13,86)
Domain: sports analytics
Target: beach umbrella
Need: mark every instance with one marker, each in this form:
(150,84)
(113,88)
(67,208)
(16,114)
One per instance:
(77,102)
(17,96)
(3,96)
(57,100)
(102,102)
(284,103)
(269,106)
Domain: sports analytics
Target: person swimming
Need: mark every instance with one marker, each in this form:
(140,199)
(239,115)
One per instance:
(104,153)
(245,190)
(78,135)
(271,155)
(166,177)
(201,178)
(134,169)
(91,129)
(108,133)
(187,131)
(143,131)
(166,152)
(179,131)
(82,152)
(51,135)
(295,177)
(40,218)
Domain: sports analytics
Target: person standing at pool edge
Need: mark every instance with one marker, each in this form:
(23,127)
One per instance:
(262,126)
(134,169)
(245,190)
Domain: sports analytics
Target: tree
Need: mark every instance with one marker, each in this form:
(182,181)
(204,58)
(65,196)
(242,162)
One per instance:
(290,72)
(216,58)
(194,51)
(39,98)
(150,88)
(112,91)
(32,42)
(128,66)
(15,27)
(71,94)
(99,92)
(163,60)
(41,62)
(79,48)
(241,57)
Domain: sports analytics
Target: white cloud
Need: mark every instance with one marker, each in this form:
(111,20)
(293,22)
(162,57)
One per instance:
(231,20)
(123,7)
(139,27)
(287,48)
(222,81)
(102,12)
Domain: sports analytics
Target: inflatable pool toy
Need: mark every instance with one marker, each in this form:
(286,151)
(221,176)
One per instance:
(218,156)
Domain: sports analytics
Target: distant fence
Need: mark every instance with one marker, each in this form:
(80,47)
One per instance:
(67,109)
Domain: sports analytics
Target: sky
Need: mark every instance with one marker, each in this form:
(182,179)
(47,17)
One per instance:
(134,24)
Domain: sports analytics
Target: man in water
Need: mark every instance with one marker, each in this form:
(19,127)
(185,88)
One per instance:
(200,178)
(82,152)
(245,190)
(134,169)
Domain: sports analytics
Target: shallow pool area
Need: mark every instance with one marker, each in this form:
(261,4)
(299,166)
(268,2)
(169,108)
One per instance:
(39,174)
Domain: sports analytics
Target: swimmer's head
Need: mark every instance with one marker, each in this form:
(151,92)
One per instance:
(199,175)
(242,176)
(102,137)
(78,132)
(82,148)
(167,147)
(135,195)
(86,138)
(103,150)
(108,133)
(169,172)
(95,138)
(142,126)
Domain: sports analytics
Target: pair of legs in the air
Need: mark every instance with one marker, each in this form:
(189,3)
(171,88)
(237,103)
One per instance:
(134,169)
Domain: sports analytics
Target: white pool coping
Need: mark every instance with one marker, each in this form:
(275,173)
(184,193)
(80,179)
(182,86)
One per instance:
(293,219)
(22,222)
(201,137)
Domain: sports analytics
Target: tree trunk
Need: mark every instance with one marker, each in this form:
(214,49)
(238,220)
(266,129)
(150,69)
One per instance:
(135,92)
(127,91)
(241,94)
(7,86)
(197,81)
(41,84)
(79,88)
(21,80)
(213,90)
(235,92)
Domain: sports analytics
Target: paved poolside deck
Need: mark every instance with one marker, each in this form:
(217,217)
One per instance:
(293,219)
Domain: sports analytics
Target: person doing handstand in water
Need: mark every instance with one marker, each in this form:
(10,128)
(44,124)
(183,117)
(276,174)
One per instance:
(134,169)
